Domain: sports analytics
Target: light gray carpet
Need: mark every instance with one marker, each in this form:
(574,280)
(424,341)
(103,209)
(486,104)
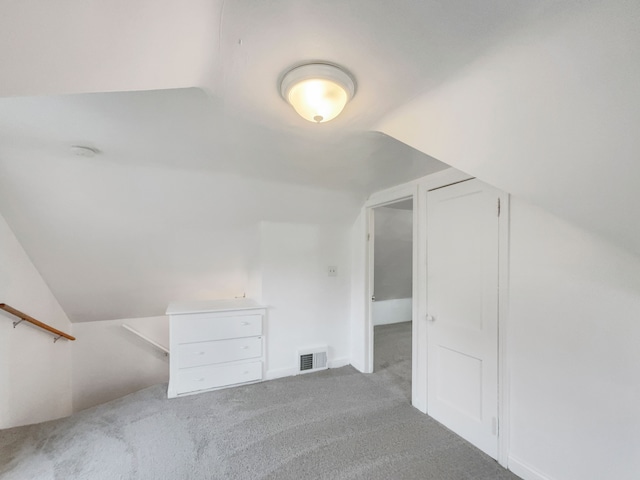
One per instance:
(335,424)
(392,356)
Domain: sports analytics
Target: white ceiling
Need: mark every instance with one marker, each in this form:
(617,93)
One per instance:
(171,92)
(185,129)
(77,46)
(236,52)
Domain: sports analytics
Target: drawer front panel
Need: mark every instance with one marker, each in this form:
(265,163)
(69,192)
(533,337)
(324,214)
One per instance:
(206,353)
(188,330)
(202,378)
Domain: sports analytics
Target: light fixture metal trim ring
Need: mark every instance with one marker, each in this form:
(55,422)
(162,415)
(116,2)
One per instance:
(322,70)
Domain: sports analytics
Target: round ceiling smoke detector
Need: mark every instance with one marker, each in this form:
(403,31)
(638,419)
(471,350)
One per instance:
(318,91)
(82,151)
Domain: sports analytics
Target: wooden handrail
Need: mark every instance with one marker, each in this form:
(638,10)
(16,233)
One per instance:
(23,316)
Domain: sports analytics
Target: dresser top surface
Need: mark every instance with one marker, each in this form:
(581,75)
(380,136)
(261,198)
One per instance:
(206,306)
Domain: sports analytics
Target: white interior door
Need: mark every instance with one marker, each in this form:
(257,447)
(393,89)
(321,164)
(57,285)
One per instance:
(462,321)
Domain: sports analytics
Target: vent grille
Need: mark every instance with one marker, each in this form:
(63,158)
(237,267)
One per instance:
(306,361)
(320,360)
(312,360)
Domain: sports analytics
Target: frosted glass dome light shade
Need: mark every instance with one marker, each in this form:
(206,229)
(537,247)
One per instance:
(317,91)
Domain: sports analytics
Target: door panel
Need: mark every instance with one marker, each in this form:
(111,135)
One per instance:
(462,299)
(462,387)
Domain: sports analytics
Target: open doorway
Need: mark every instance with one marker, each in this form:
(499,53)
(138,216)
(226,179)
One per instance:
(391,299)
(438,251)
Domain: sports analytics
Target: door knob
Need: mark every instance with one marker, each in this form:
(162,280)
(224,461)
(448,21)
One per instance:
(431,318)
(373,298)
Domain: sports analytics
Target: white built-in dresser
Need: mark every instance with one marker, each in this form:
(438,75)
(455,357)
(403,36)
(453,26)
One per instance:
(215,344)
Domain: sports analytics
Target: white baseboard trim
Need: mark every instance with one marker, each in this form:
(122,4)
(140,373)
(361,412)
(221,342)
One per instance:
(357,366)
(280,373)
(338,362)
(525,471)
(291,371)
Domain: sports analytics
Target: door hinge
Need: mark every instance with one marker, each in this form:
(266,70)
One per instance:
(368,237)
(498,207)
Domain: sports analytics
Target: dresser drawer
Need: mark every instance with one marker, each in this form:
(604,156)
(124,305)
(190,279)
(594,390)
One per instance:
(202,329)
(212,376)
(206,353)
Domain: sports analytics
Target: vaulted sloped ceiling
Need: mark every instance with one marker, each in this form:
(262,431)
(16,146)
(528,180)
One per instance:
(197,146)
(76,46)
(552,115)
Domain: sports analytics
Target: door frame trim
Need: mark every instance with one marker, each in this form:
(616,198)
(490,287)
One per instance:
(504,379)
(404,192)
(418,190)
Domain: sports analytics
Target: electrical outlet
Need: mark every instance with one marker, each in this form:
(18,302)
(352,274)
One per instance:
(333,271)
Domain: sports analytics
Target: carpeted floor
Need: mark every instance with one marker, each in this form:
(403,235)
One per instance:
(335,424)
(392,356)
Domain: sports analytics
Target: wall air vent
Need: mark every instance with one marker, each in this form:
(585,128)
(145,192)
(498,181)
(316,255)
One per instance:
(312,360)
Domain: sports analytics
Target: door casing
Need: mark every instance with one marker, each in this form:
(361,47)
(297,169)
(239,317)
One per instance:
(462,327)
(417,190)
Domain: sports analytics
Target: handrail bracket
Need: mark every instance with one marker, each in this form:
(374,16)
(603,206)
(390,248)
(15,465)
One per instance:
(23,316)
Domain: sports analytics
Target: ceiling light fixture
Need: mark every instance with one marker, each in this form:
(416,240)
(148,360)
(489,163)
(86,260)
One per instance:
(318,91)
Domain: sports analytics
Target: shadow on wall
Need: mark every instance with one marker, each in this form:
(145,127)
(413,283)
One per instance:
(393,263)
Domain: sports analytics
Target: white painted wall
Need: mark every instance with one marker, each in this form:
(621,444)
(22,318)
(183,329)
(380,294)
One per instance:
(306,306)
(550,115)
(35,373)
(166,235)
(396,310)
(286,270)
(393,253)
(573,351)
(110,362)
(393,269)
